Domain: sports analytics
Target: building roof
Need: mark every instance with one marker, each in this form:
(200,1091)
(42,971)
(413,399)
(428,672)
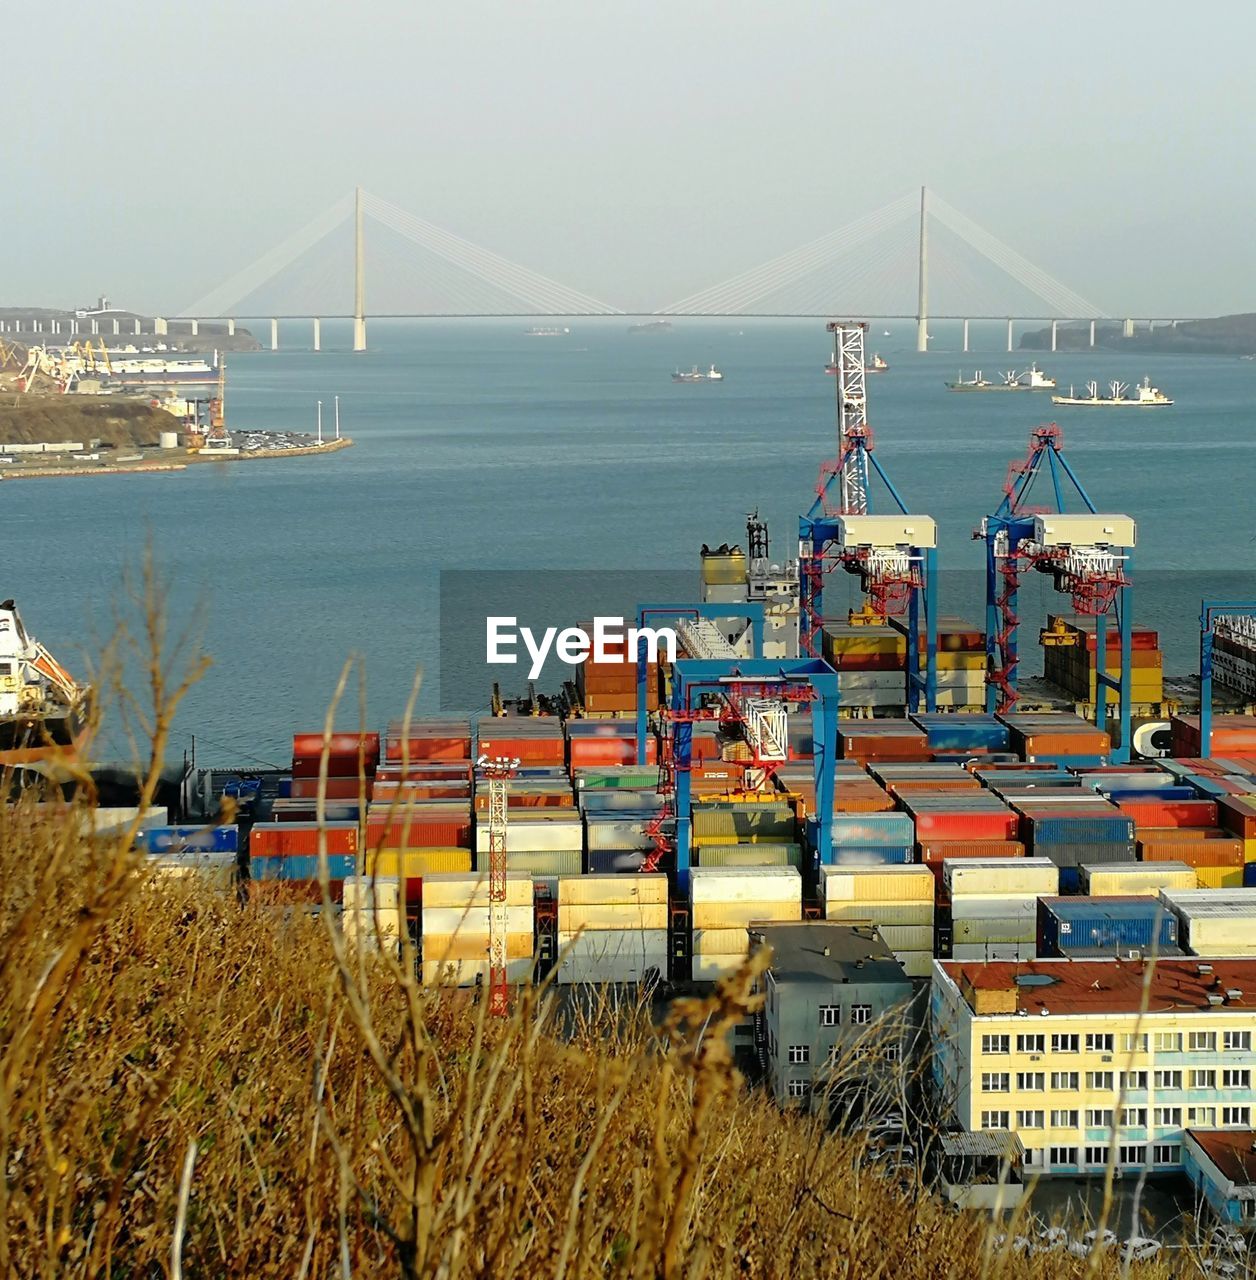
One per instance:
(1196,984)
(1233,1151)
(827,951)
(998,1144)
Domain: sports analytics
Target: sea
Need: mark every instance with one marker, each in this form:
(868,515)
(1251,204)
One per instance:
(478,448)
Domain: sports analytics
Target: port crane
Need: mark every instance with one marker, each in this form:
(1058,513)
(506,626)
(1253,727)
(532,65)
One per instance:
(894,556)
(1087,555)
(497,771)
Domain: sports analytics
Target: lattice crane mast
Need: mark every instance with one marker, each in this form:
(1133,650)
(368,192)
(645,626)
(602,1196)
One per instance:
(497,770)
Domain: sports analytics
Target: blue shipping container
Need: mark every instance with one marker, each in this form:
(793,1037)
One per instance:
(873,828)
(300,866)
(872,855)
(1119,923)
(1079,828)
(200,839)
(963,732)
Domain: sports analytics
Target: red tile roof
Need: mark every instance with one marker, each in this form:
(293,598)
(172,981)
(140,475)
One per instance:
(1113,986)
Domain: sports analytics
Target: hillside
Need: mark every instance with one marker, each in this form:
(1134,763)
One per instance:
(1223,335)
(34,418)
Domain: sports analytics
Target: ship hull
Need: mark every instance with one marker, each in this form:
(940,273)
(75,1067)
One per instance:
(1111,404)
(29,739)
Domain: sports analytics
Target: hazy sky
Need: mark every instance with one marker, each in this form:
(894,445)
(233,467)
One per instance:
(637,151)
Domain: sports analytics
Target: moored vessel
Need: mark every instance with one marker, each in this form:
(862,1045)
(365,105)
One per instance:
(696,375)
(1145,396)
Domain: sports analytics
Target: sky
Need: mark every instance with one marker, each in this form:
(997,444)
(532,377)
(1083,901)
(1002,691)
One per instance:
(637,152)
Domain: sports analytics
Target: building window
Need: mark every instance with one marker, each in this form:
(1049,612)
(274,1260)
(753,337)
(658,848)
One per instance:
(1168,1079)
(860,1014)
(1064,1155)
(1031,1044)
(996,1044)
(1031,1080)
(1065,1044)
(830,1015)
(1133,1079)
(1131,1154)
(1236,1078)
(893,1053)
(1239,1116)
(796,1088)
(1203,1079)
(1099,1118)
(1099,1041)
(1134,1118)
(1097,1155)
(1201,1117)
(1167,1153)
(995,1120)
(1168,1117)
(1065,1119)
(1070,1080)
(1031,1119)
(1202,1042)
(1102,1080)
(996,1082)
(1167,1041)
(1135,1042)
(799,1053)
(1240,1040)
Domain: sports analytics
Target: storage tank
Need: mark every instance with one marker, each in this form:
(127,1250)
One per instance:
(169,440)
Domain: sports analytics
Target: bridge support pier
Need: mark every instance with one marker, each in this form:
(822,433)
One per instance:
(274,335)
(1055,334)
(137,326)
(194,327)
(1092,335)
(359,275)
(1127,330)
(95,325)
(231,328)
(160,328)
(318,334)
(965,335)
(1009,333)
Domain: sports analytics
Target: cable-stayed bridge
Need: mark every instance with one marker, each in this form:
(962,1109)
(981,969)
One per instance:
(916,257)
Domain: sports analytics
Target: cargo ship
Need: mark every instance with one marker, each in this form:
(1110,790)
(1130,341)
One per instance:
(696,375)
(147,374)
(651,326)
(1032,379)
(1145,396)
(546,332)
(44,712)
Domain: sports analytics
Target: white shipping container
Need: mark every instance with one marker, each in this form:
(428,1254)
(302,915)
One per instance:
(629,945)
(473,919)
(612,915)
(553,836)
(880,884)
(612,969)
(218,869)
(711,968)
(994,876)
(460,889)
(108,822)
(465,973)
(649,887)
(994,929)
(373,910)
(1021,907)
(713,942)
(883,913)
(916,964)
(745,884)
(994,951)
(909,937)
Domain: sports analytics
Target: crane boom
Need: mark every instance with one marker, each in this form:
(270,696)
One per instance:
(497,770)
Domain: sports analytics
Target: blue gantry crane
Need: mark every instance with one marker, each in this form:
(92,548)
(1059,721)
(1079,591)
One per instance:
(893,555)
(1088,555)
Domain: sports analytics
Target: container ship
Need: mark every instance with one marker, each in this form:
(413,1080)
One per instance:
(44,713)
(1031,379)
(696,375)
(651,326)
(1145,396)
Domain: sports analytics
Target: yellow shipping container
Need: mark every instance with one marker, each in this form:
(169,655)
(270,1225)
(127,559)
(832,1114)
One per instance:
(715,942)
(464,973)
(589,890)
(1144,880)
(877,884)
(726,915)
(473,946)
(1219,877)
(749,855)
(1249,850)
(453,890)
(888,913)
(961,661)
(412,864)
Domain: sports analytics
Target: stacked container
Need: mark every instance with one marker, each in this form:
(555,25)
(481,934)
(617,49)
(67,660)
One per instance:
(1050,737)
(1214,922)
(871,664)
(610,687)
(540,843)
(961,664)
(725,900)
(612,928)
(606,741)
(352,761)
(872,741)
(1232,735)
(993,905)
(288,852)
(1072,665)
(618,804)
(745,833)
(870,839)
(897,899)
(1074,827)
(1116,926)
(374,914)
(455,929)
(963,735)
(1126,879)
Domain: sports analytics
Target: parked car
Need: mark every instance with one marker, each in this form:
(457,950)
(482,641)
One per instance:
(1084,1247)
(1140,1249)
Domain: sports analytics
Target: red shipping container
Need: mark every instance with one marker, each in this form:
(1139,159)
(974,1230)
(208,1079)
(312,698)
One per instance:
(1238,814)
(337,767)
(341,744)
(280,838)
(336,788)
(586,752)
(1198,853)
(435,747)
(1171,813)
(965,825)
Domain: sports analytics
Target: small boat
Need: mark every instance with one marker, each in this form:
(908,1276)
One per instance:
(1145,396)
(546,332)
(878,365)
(885,333)
(696,375)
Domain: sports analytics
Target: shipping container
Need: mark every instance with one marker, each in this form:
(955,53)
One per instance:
(1120,924)
(1129,878)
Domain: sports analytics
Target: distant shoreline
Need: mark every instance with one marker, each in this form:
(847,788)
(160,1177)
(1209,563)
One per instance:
(192,459)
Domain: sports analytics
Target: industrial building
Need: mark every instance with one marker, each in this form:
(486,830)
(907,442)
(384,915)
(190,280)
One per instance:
(1221,1164)
(1067,1053)
(836,1002)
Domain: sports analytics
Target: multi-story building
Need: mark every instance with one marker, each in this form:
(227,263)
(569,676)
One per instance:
(1077,1055)
(837,1008)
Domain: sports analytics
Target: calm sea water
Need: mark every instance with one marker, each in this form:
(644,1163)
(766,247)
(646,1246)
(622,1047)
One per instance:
(478,445)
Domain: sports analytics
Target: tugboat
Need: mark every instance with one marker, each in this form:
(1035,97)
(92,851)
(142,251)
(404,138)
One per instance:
(44,713)
(696,375)
(1146,396)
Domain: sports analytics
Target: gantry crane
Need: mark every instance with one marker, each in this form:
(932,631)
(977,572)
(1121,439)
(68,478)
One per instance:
(1088,557)
(894,556)
(497,770)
